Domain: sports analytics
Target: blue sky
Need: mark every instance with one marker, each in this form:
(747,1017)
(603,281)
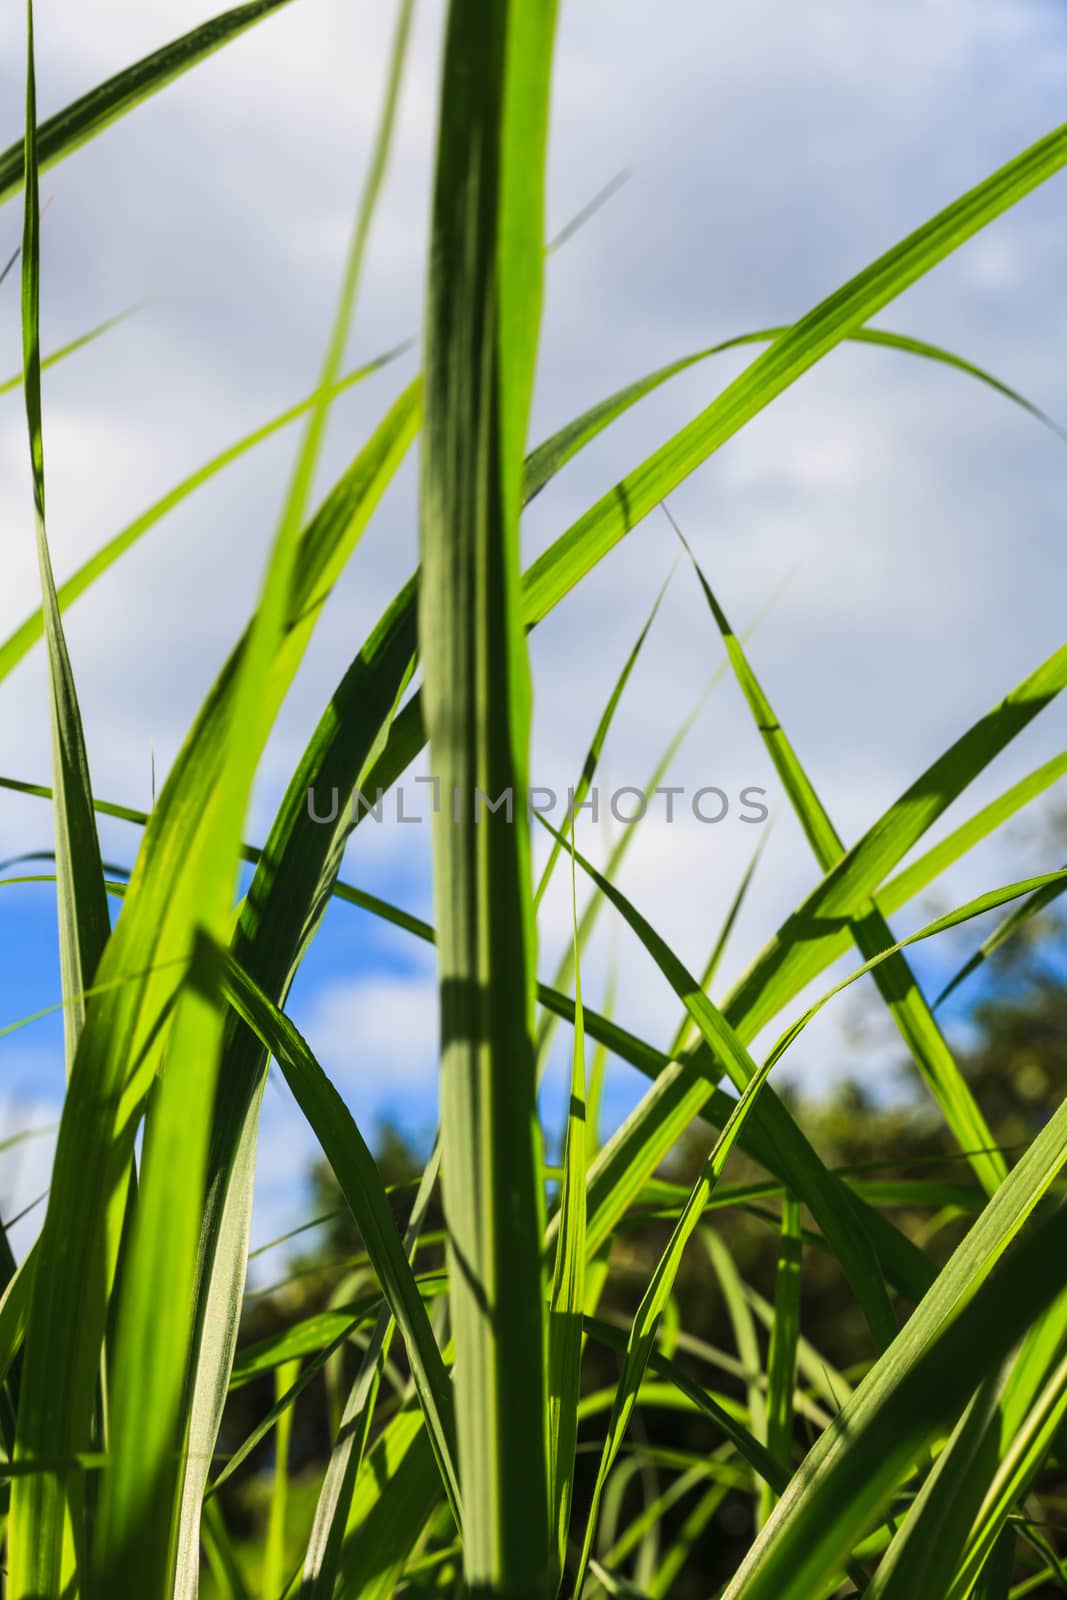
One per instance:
(918,517)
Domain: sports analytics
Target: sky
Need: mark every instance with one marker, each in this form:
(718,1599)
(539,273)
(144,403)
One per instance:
(907,521)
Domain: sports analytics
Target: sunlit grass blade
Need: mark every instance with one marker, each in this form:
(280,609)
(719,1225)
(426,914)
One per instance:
(481,343)
(220,1260)
(84,920)
(84,118)
(894,979)
(616,1176)
(686,1030)
(566,1303)
(782,1355)
(578,550)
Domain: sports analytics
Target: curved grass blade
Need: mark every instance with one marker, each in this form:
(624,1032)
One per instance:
(616,1177)
(807,341)
(804,945)
(482,330)
(894,979)
(84,118)
(554,454)
(686,1030)
(1005,930)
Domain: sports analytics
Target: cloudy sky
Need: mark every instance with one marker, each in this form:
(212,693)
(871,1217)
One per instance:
(917,517)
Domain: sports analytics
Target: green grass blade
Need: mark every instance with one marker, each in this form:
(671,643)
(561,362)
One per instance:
(223,1237)
(70,349)
(970,1301)
(325,1542)
(162,901)
(274,1573)
(782,1356)
(744,1328)
(619,1173)
(84,920)
(482,329)
(553,455)
(918,1386)
(686,1031)
(355,1170)
(18,644)
(805,944)
(1005,930)
(84,118)
(596,746)
(894,979)
(566,1303)
(643,1332)
(806,342)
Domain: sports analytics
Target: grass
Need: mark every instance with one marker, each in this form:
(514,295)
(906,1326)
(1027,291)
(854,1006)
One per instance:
(470,1452)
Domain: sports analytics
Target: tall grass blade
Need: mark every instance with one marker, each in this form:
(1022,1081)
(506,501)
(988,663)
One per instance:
(482,329)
